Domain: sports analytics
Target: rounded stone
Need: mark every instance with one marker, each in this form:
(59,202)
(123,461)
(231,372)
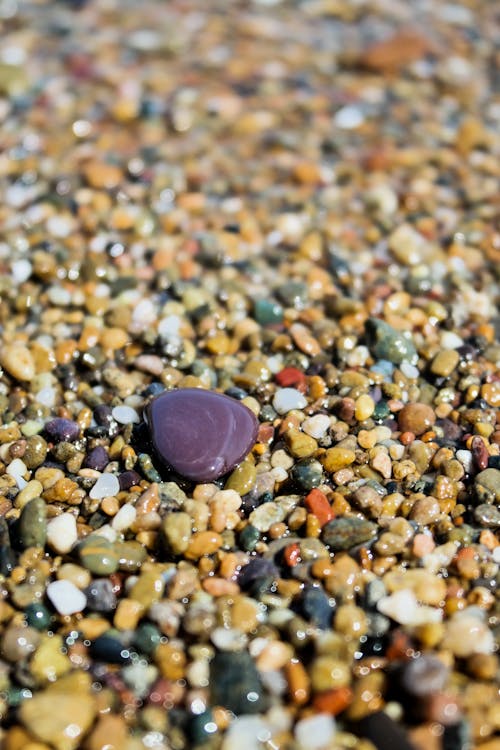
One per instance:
(201,434)
(416,418)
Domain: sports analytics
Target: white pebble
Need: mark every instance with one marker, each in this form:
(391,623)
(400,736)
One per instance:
(403,607)
(21,270)
(228,639)
(60,226)
(62,533)
(66,597)
(107,485)
(316,426)
(348,117)
(46,396)
(465,458)
(408,370)
(315,732)
(246,733)
(107,532)
(18,469)
(125,415)
(450,340)
(287,399)
(466,635)
(59,296)
(496,554)
(169,326)
(124,518)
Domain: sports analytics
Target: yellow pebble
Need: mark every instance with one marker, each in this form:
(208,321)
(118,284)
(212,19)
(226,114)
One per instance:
(364,408)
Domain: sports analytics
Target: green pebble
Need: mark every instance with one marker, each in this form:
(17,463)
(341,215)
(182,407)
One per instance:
(293,294)
(33,524)
(202,728)
(385,342)
(308,473)
(146,638)
(267,312)
(344,533)
(98,555)
(381,411)
(131,555)
(38,616)
(36,451)
(147,468)
(249,536)
(242,479)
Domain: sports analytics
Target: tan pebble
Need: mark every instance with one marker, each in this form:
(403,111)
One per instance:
(299,685)
(299,444)
(74,573)
(427,587)
(220,586)
(274,655)
(102,175)
(128,613)
(364,408)
(149,501)
(367,438)
(110,506)
(109,733)
(337,458)
(416,418)
(245,613)
(350,621)
(381,462)
(93,627)
(149,586)
(176,531)
(425,510)
(33,489)
(329,673)
(17,360)
(304,340)
(203,543)
(445,362)
(171,661)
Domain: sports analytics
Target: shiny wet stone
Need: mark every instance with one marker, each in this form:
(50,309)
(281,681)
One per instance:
(201,434)
(235,683)
(344,533)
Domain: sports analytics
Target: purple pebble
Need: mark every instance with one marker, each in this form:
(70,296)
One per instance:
(62,430)
(96,459)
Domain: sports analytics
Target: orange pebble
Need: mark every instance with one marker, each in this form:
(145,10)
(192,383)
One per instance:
(333,701)
(298,682)
(406,438)
(318,504)
(292,555)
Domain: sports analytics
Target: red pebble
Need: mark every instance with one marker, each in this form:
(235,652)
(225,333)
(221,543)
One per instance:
(291,377)
(292,555)
(317,503)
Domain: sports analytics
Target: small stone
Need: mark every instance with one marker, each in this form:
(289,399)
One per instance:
(235,683)
(176,532)
(242,479)
(287,399)
(365,406)
(100,595)
(106,486)
(96,459)
(315,606)
(445,362)
(267,312)
(424,675)
(109,733)
(466,635)
(18,361)
(62,533)
(201,434)
(417,418)
(98,555)
(60,715)
(425,510)
(403,607)
(308,473)
(66,597)
(33,524)
(337,458)
(316,426)
(62,430)
(384,732)
(386,343)
(38,616)
(329,673)
(246,733)
(487,486)
(267,514)
(345,533)
(487,515)
(49,662)
(19,643)
(299,444)
(125,518)
(125,415)
(316,732)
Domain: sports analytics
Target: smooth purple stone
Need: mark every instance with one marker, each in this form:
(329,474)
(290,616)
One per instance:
(97,459)
(201,434)
(62,430)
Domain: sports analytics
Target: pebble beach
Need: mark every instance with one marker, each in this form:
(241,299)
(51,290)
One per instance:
(249,375)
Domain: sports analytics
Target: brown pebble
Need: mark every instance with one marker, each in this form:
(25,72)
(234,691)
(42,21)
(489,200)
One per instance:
(416,418)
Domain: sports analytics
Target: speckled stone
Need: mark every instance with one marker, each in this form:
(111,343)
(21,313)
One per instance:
(416,418)
(487,486)
(387,343)
(201,434)
(33,523)
(344,533)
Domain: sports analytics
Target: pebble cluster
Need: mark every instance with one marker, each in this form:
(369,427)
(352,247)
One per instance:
(292,204)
